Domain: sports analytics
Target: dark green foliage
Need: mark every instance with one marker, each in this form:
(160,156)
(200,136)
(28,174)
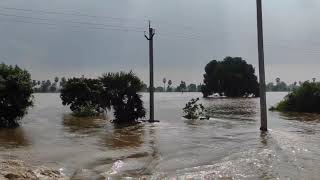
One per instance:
(182,87)
(83,95)
(306,98)
(15,94)
(232,77)
(159,89)
(193,110)
(122,90)
(192,88)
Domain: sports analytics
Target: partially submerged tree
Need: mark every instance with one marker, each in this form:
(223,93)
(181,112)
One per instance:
(194,110)
(123,88)
(15,94)
(83,95)
(305,98)
(232,77)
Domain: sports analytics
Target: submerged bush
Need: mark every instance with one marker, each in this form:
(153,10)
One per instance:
(83,95)
(306,98)
(121,91)
(194,110)
(88,97)
(15,94)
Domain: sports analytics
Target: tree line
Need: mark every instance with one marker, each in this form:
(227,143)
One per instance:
(282,86)
(46,86)
(168,87)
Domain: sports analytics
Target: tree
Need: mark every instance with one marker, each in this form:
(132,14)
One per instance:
(232,77)
(84,96)
(121,91)
(34,83)
(164,84)
(15,94)
(192,88)
(182,87)
(144,88)
(56,80)
(199,87)
(159,89)
(305,98)
(169,88)
(63,81)
(53,87)
(278,80)
(313,79)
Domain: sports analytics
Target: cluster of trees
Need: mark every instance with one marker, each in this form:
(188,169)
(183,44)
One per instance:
(119,91)
(305,98)
(182,87)
(282,86)
(232,77)
(48,86)
(15,94)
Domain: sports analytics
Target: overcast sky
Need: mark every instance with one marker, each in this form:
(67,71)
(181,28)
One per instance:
(89,37)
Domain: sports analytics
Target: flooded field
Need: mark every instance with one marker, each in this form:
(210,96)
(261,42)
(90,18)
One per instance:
(229,145)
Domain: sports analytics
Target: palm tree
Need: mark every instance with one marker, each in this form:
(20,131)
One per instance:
(164,84)
(313,79)
(169,85)
(56,79)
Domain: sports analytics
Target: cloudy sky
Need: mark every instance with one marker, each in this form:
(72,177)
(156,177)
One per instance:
(89,37)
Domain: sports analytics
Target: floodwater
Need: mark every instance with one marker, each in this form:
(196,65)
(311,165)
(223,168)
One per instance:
(228,146)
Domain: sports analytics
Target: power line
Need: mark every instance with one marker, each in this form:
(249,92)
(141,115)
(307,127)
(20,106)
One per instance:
(66,13)
(53,25)
(68,21)
(91,16)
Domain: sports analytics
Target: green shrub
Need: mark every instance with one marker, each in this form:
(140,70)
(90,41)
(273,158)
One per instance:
(122,91)
(83,95)
(193,110)
(15,94)
(88,97)
(306,98)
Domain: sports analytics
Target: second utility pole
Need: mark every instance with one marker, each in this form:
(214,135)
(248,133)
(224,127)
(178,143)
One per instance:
(151,87)
(263,104)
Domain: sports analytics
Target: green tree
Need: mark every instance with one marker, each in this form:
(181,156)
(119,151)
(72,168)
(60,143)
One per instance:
(121,91)
(159,89)
(63,81)
(164,84)
(232,77)
(56,80)
(199,87)
(192,88)
(84,96)
(15,94)
(169,88)
(182,87)
(305,98)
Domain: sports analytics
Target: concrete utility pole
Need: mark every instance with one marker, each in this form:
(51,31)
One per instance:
(151,87)
(263,104)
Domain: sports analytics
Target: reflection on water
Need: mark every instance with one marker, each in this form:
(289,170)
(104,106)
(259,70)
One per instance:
(13,138)
(84,125)
(124,137)
(228,146)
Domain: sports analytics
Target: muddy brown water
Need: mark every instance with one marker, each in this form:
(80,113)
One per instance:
(229,145)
